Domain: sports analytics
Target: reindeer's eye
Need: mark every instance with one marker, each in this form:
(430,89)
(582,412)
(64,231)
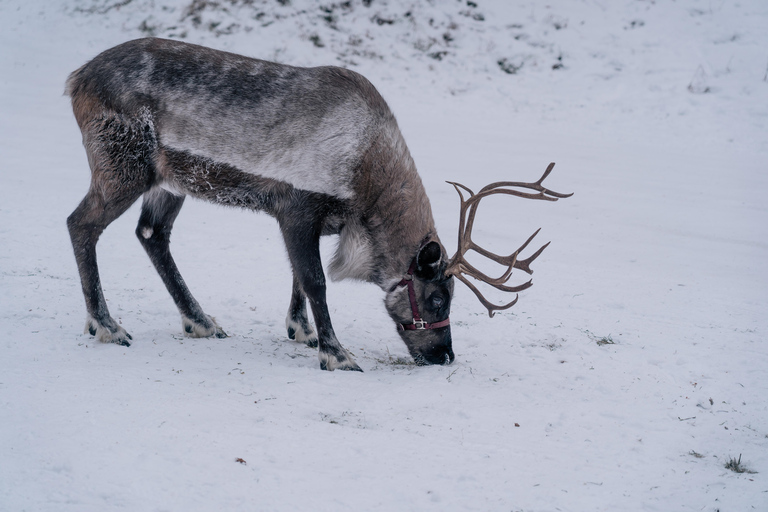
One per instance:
(437,302)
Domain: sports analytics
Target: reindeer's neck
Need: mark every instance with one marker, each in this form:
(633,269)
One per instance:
(398,215)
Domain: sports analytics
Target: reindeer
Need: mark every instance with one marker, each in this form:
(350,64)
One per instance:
(316,148)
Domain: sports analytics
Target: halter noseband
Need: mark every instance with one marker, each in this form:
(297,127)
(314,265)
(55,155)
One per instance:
(418,324)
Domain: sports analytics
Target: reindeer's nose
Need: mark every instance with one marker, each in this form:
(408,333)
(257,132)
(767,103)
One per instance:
(438,355)
(445,358)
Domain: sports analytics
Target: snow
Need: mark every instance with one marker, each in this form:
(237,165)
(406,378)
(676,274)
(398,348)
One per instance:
(657,120)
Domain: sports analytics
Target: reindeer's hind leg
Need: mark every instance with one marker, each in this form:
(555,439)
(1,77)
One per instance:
(119,152)
(158,213)
(86,224)
(297,322)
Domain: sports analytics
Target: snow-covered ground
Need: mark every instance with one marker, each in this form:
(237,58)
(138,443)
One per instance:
(656,113)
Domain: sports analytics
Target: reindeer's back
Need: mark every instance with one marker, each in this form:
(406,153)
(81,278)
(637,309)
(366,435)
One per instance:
(306,126)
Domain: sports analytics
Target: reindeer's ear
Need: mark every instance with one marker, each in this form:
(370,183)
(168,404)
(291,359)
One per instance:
(428,261)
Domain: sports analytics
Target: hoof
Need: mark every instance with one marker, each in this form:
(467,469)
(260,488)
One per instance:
(340,361)
(108,332)
(301,333)
(204,329)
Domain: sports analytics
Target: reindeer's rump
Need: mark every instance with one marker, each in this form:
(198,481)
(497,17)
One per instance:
(309,127)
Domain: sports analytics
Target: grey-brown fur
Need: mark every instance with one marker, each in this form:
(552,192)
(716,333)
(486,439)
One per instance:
(317,148)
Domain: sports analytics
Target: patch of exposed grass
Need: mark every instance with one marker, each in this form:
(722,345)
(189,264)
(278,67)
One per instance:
(606,340)
(600,340)
(736,466)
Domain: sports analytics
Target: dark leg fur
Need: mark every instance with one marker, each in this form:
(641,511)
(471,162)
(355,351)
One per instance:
(302,217)
(158,213)
(296,322)
(121,170)
(302,239)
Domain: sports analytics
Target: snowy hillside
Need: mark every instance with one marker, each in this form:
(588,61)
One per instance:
(627,378)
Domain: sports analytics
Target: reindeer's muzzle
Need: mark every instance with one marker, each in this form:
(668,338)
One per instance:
(429,346)
(441,354)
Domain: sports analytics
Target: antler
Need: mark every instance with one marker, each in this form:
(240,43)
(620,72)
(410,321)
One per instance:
(458,265)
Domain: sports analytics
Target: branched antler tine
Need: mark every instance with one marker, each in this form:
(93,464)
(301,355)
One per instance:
(498,190)
(457,185)
(488,305)
(497,283)
(546,190)
(467,269)
(524,265)
(546,173)
(471,220)
(557,195)
(512,258)
(508,261)
(519,264)
(462,245)
(537,185)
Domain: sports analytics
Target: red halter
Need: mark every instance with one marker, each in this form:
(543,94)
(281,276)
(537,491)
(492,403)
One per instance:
(418,324)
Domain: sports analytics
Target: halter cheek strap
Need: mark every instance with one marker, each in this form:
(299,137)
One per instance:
(418,324)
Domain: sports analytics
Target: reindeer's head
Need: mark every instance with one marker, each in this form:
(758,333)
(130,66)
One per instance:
(420,302)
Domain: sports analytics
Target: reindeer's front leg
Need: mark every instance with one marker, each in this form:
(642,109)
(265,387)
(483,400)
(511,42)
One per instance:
(302,239)
(296,323)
